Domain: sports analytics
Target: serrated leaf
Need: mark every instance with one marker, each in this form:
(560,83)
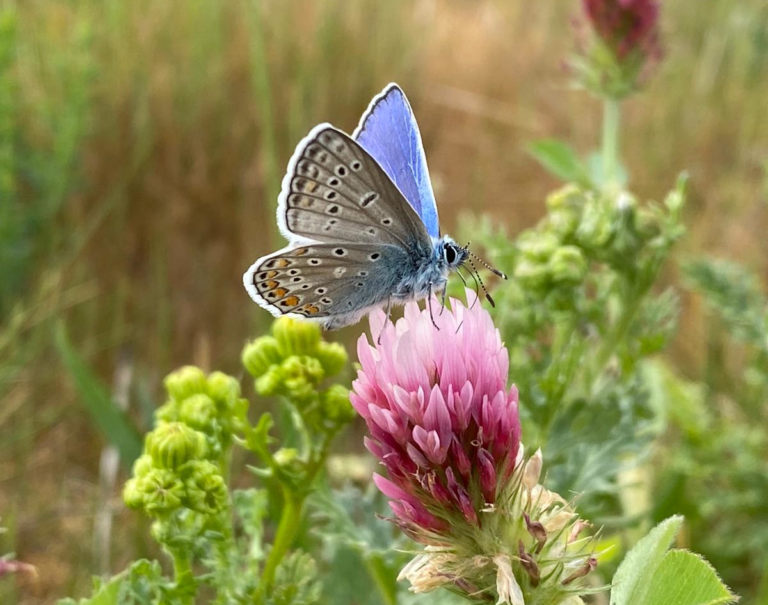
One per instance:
(560,160)
(94,397)
(685,578)
(635,574)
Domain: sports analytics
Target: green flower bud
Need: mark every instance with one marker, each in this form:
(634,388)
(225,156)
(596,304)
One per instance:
(261,354)
(532,274)
(224,389)
(299,389)
(296,336)
(567,265)
(303,367)
(132,495)
(185,382)
(332,357)
(142,465)
(161,491)
(168,412)
(288,459)
(335,404)
(173,444)
(565,206)
(537,246)
(206,490)
(199,412)
(596,225)
(270,382)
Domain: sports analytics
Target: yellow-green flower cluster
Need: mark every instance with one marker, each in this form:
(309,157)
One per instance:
(209,404)
(584,226)
(174,473)
(293,362)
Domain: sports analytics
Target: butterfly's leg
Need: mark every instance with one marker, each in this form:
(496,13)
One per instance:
(442,302)
(429,303)
(386,318)
(477,288)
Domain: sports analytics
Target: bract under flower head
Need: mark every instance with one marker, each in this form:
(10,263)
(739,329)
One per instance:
(441,417)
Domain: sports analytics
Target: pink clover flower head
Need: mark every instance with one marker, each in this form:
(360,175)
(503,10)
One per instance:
(626,26)
(442,420)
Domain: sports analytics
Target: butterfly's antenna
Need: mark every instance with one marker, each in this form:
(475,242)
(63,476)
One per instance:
(496,272)
(480,279)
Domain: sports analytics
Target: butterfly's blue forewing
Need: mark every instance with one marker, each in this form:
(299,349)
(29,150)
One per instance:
(389,132)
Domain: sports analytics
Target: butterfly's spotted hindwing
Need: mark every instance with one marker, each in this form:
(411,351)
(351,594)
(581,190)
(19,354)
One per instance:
(326,281)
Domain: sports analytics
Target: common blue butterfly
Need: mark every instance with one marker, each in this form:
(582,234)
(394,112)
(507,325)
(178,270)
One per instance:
(361,220)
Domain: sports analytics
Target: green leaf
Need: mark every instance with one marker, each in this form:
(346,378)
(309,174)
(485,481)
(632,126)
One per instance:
(560,160)
(636,573)
(140,584)
(685,578)
(94,396)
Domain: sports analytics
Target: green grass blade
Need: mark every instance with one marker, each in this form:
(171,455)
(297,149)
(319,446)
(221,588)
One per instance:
(113,424)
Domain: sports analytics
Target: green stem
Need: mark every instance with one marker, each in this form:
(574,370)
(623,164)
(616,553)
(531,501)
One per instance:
(611,124)
(182,573)
(615,336)
(382,577)
(286,532)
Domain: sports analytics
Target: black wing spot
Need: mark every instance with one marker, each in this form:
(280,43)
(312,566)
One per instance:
(326,301)
(359,284)
(363,274)
(294,272)
(369,198)
(331,195)
(315,261)
(375,256)
(386,221)
(372,231)
(305,287)
(296,279)
(355,165)
(320,291)
(340,252)
(333,209)
(333,181)
(341,171)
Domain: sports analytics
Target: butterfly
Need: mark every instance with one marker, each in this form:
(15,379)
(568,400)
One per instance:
(361,220)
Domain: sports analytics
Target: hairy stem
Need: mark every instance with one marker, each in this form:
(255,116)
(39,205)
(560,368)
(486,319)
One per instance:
(610,151)
(286,533)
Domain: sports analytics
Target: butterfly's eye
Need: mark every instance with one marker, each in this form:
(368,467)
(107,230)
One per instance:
(449,252)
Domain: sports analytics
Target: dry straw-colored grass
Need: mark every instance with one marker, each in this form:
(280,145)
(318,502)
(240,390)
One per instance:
(187,114)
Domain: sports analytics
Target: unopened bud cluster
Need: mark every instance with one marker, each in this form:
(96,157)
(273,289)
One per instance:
(584,226)
(175,473)
(209,404)
(293,362)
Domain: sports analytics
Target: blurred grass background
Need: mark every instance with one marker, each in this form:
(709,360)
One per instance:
(141,149)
